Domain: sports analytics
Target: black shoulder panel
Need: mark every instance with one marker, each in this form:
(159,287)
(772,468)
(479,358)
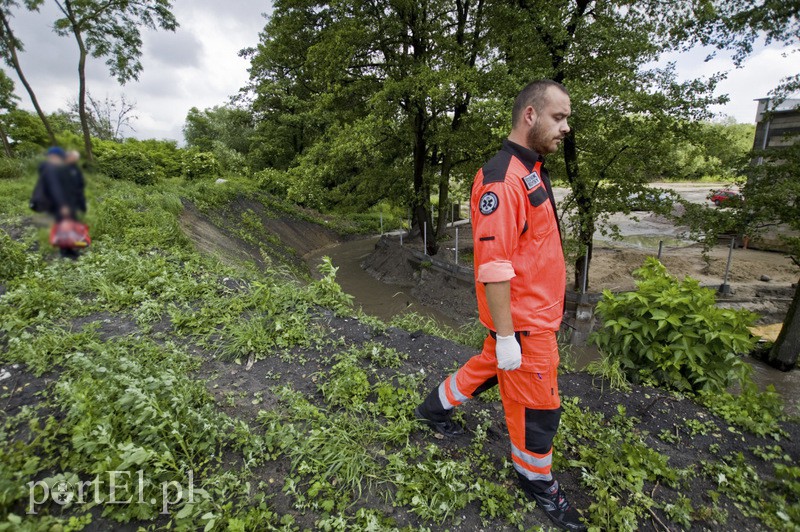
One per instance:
(495,170)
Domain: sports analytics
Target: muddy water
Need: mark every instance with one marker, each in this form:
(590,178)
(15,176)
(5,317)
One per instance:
(387,301)
(787,383)
(375,297)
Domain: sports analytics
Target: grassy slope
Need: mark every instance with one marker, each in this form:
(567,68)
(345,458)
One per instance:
(290,414)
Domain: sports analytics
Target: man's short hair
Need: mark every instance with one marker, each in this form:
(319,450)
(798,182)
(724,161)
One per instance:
(533,95)
(74,154)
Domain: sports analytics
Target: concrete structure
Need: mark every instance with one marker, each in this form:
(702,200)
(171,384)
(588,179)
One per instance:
(777,128)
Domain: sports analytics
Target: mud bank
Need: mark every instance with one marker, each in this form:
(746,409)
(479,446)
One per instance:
(449,293)
(246,231)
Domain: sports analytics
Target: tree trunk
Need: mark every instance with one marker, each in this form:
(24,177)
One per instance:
(6,145)
(421,192)
(11,46)
(87,134)
(785,352)
(583,200)
(444,194)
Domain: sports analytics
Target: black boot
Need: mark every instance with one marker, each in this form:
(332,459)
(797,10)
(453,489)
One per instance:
(555,504)
(443,425)
(432,413)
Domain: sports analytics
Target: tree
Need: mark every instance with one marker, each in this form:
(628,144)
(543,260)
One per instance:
(389,83)
(772,197)
(110,29)
(107,118)
(231,126)
(8,103)
(715,149)
(9,48)
(625,111)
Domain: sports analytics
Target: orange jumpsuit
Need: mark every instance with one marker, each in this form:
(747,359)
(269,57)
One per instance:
(517,239)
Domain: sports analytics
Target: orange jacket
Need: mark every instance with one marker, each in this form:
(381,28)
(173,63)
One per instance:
(516,237)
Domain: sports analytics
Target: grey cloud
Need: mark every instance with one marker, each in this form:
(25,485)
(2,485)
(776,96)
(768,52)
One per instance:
(179,49)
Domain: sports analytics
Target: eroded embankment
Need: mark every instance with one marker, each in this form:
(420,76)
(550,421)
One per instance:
(247,231)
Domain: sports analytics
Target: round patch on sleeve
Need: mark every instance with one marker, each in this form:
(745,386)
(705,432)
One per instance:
(488,203)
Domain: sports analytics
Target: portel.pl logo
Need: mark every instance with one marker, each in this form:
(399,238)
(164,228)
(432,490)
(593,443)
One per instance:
(120,487)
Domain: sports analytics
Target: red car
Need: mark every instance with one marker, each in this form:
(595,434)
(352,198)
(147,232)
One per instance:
(722,196)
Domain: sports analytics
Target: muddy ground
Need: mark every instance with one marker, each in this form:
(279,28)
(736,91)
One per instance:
(761,281)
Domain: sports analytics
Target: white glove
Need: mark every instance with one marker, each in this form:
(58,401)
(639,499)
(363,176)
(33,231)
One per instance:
(508,352)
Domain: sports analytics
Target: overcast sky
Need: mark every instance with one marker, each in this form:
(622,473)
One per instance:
(198,65)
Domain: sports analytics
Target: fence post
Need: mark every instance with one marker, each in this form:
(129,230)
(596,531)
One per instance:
(456,245)
(660,247)
(725,288)
(585,270)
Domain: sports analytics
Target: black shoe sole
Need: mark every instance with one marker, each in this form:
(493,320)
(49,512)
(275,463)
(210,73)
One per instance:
(438,426)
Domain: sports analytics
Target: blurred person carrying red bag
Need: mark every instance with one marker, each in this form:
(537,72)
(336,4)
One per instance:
(60,192)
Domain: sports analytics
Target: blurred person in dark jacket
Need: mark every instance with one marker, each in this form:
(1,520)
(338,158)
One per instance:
(74,185)
(63,188)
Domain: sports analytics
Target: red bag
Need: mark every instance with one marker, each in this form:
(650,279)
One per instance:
(69,234)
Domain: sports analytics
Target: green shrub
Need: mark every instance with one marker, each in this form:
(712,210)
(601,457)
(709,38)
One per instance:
(10,168)
(273,181)
(165,154)
(671,333)
(199,164)
(126,162)
(13,257)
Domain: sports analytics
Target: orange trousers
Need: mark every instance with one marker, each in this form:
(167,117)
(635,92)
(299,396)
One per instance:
(530,400)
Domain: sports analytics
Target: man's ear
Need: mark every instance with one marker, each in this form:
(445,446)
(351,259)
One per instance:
(530,115)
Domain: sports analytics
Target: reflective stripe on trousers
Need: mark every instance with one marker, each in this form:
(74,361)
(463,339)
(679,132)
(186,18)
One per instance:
(449,394)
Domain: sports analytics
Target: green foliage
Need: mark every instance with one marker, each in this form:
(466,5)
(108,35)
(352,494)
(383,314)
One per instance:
(273,181)
(346,385)
(757,412)
(774,501)
(10,168)
(13,258)
(27,133)
(615,462)
(610,370)
(126,162)
(199,165)
(327,292)
(671,333)
(713,151)
(165,154)
(225,131)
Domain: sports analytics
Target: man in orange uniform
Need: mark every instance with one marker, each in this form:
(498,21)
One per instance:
(520,279)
